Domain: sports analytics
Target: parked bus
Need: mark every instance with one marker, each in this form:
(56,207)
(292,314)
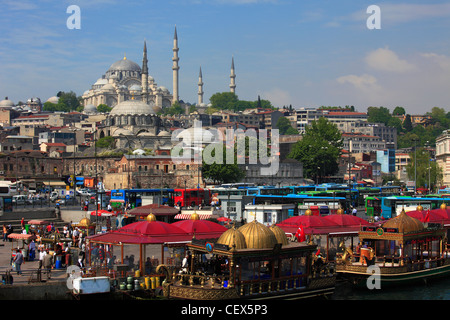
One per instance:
(5,197)
(323,205)
(191,197)
(138,197)
(389,207)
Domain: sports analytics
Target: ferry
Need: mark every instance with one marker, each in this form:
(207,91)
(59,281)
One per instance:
(252,262)
(400,251)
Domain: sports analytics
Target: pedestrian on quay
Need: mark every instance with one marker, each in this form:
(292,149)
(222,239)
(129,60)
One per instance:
(42,254)
(18,260)
(354,211)
(48,262)
(5,233)
(32,250)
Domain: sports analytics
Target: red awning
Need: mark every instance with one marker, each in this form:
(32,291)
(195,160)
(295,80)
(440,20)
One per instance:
(346,220)
(102,213)
(155,209)
(187,216)
(20,236)
(37,222)
(202,229)
(307,221)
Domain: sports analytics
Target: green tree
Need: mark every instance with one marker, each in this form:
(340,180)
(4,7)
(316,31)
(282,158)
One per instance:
(398,111)
(105,142)
(175,108)
(378,115)
(319,150)
(427,170)
(284,126)
(222,172)
(224,100)
(407,124)
(103,108)
(69,99)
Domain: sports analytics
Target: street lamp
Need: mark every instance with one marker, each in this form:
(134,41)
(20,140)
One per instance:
(415,165)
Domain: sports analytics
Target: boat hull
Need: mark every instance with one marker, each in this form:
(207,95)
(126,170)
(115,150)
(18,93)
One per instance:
(360,277)
(316,288)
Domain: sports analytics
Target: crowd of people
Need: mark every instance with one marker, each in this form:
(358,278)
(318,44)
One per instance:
(51,253)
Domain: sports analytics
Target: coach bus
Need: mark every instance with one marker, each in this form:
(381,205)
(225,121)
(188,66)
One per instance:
(192,197)
(319,205)
(120,198)
(389,207)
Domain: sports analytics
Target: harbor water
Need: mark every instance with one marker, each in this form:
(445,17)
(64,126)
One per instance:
(437,289)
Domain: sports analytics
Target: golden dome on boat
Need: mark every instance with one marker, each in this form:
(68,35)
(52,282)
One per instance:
(151,217)
(195,216)
(340,211)
(404,223)
(85,222)
(258,236)
(232,237)
(308,212)
(419,208)
(280,235)
(443,206)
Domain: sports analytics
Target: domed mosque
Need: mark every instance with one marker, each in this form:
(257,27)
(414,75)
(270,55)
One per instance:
(125,80)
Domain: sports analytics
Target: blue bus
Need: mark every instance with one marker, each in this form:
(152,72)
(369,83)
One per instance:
(139,197)
(389,207)
(324,205)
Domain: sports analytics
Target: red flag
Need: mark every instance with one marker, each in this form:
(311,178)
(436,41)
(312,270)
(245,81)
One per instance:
(427,216)
(300,234)
(318,252)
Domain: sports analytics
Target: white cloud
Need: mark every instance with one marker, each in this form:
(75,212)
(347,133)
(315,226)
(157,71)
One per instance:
(278,97)
(397,13)
(363,82)
(387,60)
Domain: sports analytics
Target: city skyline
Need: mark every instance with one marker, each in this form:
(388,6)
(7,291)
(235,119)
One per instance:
(291,53)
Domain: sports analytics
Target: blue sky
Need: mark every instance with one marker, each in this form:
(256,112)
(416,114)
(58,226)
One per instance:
(304,53)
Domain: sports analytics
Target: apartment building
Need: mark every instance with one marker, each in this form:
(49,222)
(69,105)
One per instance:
(443,155)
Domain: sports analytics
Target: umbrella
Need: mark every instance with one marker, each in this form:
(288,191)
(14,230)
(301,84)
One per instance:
(346,220)
(38,222)
(20,236)
(307,221)
(101,213)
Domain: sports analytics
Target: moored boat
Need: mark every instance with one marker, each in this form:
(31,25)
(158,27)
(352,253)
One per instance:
(252,262)
(402,250)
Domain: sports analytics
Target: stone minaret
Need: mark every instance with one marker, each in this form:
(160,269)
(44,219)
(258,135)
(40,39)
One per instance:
(232,77)
(175,67)
(200,87)
(144,76)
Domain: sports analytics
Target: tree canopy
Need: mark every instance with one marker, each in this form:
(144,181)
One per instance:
(284,126)
(68,101)
(222,172)
(319,150)
(230,101)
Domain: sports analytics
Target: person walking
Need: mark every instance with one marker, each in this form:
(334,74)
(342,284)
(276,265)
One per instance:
(42,254)
(48,262)
(5,232)
(18,260)
(32,249)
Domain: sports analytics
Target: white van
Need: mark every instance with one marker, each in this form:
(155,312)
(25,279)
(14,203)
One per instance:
(19,199)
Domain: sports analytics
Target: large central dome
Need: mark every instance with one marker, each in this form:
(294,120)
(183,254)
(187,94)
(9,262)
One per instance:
(132,107)
(125,65)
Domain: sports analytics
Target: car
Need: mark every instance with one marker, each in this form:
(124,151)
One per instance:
(20,199)
(85,192)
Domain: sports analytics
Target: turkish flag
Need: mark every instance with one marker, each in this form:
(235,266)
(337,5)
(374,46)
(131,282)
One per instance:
(300,234)
(427,216)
